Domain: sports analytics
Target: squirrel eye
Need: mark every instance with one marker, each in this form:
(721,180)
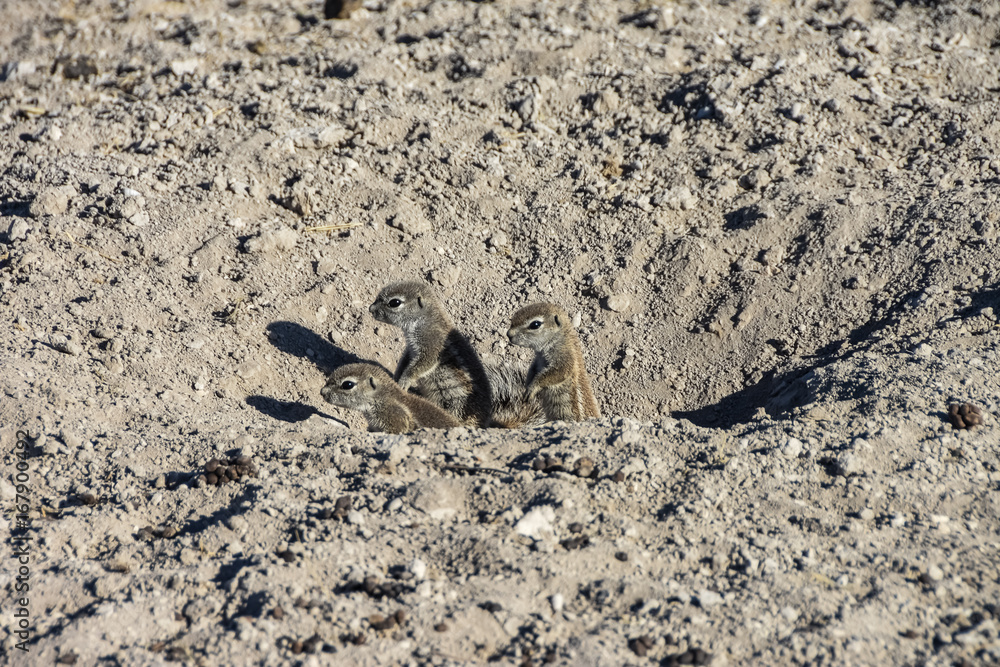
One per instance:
(536,324)
(395,303)
(347,384)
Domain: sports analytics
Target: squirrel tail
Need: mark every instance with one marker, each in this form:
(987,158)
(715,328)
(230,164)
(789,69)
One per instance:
(511,408)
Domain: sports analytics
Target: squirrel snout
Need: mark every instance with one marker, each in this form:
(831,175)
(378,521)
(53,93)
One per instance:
(371,308)
(510,334)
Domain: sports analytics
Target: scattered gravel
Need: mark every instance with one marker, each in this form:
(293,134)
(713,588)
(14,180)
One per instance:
(775,225)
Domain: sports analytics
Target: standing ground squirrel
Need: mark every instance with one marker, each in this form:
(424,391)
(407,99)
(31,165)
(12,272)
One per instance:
(369,390)
(557,378)
(439,362)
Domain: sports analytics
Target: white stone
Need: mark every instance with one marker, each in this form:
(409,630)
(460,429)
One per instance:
(536,522)
(792,448)
(708,598)
(18,230)
(619,302)
(418,569)
(848,464)
(182,67)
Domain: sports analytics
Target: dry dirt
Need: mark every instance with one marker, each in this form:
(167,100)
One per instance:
(776,220)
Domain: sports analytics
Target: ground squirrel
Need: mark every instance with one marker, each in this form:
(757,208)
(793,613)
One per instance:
(369,389)
(511,407)
(557,378)
(439,362)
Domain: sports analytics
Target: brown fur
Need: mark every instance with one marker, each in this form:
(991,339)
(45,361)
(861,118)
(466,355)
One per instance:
(557,378)
(439,362)
(369,389)
(511,406)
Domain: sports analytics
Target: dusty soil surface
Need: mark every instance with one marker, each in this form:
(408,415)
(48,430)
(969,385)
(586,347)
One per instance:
(776,221)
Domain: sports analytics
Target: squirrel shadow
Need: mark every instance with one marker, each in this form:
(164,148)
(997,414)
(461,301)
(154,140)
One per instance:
(287,411)
(294,339)
(297,340)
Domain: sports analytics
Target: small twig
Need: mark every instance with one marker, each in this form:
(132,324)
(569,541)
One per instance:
(87,247)
(333,228)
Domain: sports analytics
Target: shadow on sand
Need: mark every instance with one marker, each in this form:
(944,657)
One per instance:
(779,393)
(296,340)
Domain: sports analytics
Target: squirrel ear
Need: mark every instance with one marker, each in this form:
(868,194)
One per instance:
(371,381)
(420,301)
(556,318)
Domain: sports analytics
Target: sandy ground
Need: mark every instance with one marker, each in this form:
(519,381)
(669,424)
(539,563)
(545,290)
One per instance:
(777,222)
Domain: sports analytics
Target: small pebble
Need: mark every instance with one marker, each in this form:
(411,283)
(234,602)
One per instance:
(340,9)
(419,569)
(619,303)
(693,656)
(707,598)
(641,645)
(378,622)
(66,346)
(792,448)
(847,464)
(584,467)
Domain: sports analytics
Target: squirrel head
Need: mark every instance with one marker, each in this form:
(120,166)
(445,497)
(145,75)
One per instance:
(355,386)
(538,326)
(404,304)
